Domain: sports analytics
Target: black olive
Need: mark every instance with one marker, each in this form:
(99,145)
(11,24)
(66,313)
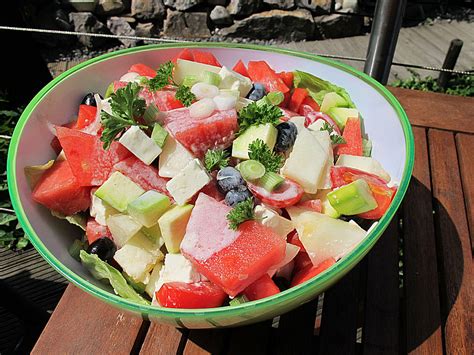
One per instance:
(103,247)
(89,99)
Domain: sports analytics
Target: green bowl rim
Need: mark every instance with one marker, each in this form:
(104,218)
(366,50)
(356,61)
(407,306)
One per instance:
(319,282)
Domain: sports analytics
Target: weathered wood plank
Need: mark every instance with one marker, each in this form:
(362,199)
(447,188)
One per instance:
(206,341)
(339,319)
(162,339)
(445,111)
(81,323)
(422,308)
(382,306)
(251,339)
(295,331)
(454,246)
(465,145)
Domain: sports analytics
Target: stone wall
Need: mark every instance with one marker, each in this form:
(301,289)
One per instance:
(284,20)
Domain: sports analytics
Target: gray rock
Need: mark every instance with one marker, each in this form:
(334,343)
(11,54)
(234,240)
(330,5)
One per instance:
(186,24)
(148,29)
(148,9)
(337,26)
(220,16)
(318,6)
(120,26)
(241,8)
(275,24)
(87,22)
(182,5)
(111,7)
(281,4)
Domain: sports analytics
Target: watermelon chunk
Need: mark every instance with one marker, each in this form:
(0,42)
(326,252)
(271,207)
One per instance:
(95,231)
(231,259)
(200,134)
(185,54)
(89,162)
(260,72)
(353,137)
(240,68)
(205,58)
(143,70)
(59,190)
(263,287)
(165,100)
(146,176)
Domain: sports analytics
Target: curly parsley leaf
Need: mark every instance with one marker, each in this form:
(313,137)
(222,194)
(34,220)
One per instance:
(243,211)
(335,138)
(259,151)
(256,114)
(164,77)
(126,108)
(216,159)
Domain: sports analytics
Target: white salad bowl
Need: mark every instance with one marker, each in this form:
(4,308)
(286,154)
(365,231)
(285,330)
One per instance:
(385,123)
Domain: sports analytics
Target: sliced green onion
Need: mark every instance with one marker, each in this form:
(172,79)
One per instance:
(190,80)
(76,248)
(151,114)
(270,181)
(159,135)
(211,78)
(366,147)
(251,170)
(109,91)
(275,97)
(238,300)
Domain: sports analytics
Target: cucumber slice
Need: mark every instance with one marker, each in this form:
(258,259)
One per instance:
(251,170)
(147,208)
(238,300)
(270,181)
(190,80)
(159,135)
(353,198)
(211,78)
(273,98)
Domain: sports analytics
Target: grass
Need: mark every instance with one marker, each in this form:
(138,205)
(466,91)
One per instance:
(461,85)
(11,234)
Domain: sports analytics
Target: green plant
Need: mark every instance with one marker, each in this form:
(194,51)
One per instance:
(458,84)
(11,234)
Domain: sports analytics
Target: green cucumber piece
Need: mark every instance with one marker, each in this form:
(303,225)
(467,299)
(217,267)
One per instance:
(173,226)
(190,80)
(270,181)
(238,300)
(332,99)
(211,78)
(251,170)
(159,135)
(118,191)
(266,132)
(342,114)
(273,98)
(353,198)
(147,208)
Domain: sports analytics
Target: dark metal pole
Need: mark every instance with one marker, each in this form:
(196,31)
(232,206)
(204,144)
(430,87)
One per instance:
(450,61)
(383,38)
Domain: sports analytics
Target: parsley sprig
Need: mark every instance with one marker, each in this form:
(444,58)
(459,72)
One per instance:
(242,211)
(335,138)
(126,108)
(258,150)
(164,77)
(255,114)
(216,159)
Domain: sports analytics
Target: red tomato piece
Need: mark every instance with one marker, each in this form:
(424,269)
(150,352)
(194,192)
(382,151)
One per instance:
(294,238)
(314,205)
(343,175)
(311,271)
(143,70)
(89,162)
(384,197)
(146,176)
(299,95)
(59,190)
(263,287)
(240,68)
(287,77)
(308,101)
(287,114)
(353,137)
(86,116)
(287,194)
(95,231)
(205,58)
(185,54)
(190,296)
(260,72)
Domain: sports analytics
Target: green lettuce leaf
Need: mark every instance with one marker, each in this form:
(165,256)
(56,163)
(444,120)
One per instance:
(318,87)
(33,173)
(78,219)
(104,272)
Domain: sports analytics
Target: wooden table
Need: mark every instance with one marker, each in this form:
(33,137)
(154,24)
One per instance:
(424,306)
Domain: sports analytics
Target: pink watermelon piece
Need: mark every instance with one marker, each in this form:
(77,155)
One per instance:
(231,259)
(146,176)
(200,134)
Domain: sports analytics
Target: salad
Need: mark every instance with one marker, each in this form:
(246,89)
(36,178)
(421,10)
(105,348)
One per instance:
(200,186)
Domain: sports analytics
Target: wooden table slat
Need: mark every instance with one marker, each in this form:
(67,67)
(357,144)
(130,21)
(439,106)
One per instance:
(465,147)
(81,323)
(206,341)
(162,340)
(454,248)
(422,308)
(382,305)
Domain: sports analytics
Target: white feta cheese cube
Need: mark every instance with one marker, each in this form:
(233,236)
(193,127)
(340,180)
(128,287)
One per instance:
(100,210)
(273,220)
(188,182)
(173,158)
(234,81)
(142,146)
(178,269)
